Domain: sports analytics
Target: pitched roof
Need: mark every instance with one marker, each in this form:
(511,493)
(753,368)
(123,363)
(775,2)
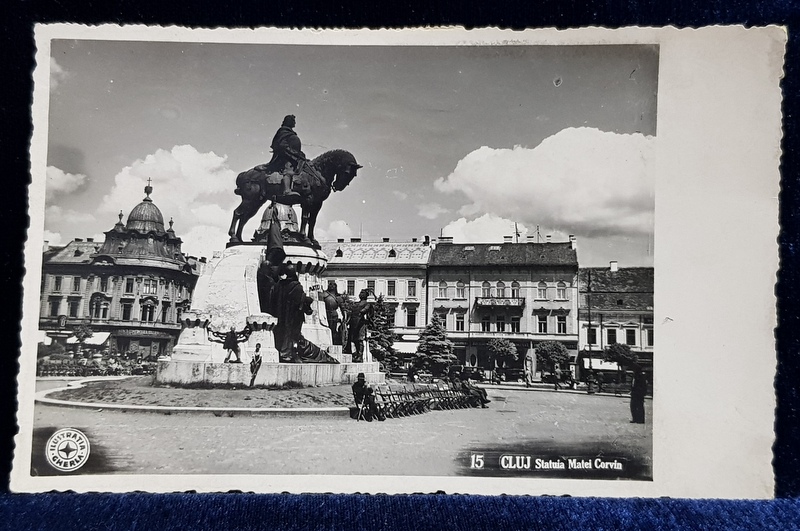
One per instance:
(504,254)
(75,253)
(624,280)
(378,253)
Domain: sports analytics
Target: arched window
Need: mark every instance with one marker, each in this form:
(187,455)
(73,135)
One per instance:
(339,253)
(501,289)
(486,290)
(515,289)
(561,291)
(541,291)
(148,312)
(460,290)
(442,290)
(392,253)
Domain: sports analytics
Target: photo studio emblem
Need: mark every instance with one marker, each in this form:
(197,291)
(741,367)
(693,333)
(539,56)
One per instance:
(67,449)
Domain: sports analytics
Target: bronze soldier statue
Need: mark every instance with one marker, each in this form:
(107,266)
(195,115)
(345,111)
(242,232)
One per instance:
(287,158)
(360,319)
(333,309)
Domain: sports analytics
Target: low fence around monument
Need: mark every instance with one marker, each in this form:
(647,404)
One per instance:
(269,374)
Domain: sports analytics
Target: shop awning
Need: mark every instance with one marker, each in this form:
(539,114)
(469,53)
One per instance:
(406,347)
(97,339)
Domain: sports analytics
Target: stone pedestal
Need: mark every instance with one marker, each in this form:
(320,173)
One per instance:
(226,296)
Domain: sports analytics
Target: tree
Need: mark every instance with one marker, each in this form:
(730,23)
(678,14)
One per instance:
(621,355)
(382,338)
(502,350)
(435,351)
(550,353)
(82,332)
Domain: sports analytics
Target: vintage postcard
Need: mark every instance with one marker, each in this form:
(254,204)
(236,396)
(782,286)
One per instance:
(493,262)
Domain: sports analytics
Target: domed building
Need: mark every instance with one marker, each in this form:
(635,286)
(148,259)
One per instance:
(130,290)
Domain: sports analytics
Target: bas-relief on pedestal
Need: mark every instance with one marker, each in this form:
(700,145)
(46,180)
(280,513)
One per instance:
(226,296)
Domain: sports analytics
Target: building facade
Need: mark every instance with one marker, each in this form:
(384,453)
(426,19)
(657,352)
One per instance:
(616,306)
(396,270)
(524,292)
(130,288)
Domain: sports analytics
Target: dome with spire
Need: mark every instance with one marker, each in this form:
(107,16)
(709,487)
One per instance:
(146,217)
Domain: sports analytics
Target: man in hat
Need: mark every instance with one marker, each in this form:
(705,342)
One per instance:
(364,394)
(287,155)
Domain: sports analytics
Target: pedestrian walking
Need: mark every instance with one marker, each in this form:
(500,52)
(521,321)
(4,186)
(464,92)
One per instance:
(557,378)
(638,390)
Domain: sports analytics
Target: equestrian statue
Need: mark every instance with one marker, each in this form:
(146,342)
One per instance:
(291,179)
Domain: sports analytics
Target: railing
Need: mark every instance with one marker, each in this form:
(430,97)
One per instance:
(500,301)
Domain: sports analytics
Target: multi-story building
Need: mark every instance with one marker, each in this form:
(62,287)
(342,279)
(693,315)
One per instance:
(524,292)
(131,288)
(395,270)
(616,306)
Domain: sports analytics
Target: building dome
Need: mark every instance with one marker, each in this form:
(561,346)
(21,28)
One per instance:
(146,217)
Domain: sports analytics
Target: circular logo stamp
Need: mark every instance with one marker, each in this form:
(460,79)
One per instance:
(67,449)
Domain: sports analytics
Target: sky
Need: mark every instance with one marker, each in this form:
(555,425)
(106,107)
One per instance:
(461,141)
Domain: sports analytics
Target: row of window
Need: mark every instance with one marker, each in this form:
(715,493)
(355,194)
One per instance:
(612,336)
(500,324)
(391,288)
(499,290)
(100,310)
(148,286)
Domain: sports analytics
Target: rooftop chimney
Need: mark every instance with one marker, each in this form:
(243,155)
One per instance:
(203,259)
(573,242)
(613,265)
(508,239)
(531,238)
(413,240)
(339,240)
(549,238)
(90,240)
(427,240)
(386,240)
(445,239)
(355,240)
(78,239)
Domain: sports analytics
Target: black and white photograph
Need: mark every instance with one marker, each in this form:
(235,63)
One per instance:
(289,256)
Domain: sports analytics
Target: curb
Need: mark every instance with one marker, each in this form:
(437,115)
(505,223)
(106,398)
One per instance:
(41,398)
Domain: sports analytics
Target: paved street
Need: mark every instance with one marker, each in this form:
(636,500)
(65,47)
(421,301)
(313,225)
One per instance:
(436,443)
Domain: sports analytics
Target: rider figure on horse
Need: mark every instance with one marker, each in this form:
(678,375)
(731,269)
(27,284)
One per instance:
(287,159)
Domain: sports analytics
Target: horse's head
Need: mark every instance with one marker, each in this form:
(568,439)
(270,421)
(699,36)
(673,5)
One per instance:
(345,172)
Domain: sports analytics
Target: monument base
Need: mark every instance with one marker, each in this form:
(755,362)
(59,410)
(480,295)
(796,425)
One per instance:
(185,373)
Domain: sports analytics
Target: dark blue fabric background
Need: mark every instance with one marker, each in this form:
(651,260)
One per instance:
(243,511)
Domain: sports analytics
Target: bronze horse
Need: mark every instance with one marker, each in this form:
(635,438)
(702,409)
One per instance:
(333,170)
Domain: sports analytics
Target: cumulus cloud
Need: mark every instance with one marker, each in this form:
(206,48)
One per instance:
(193,188)
(581,181)
(55,216)
(402,196)
(485,229)
(52,238)
(61,183)
(431,210)
(57,74)
(335,229)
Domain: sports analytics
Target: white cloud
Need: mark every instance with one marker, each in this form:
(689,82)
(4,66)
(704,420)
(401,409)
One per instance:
(431,210)
(581,181)
(193,188)
(205,239)
(55,216)
(52,238)
(57,74)
(485,229)
(61,183)
(335,229)
(402,196)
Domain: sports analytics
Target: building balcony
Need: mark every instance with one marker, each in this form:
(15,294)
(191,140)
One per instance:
(514,302)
